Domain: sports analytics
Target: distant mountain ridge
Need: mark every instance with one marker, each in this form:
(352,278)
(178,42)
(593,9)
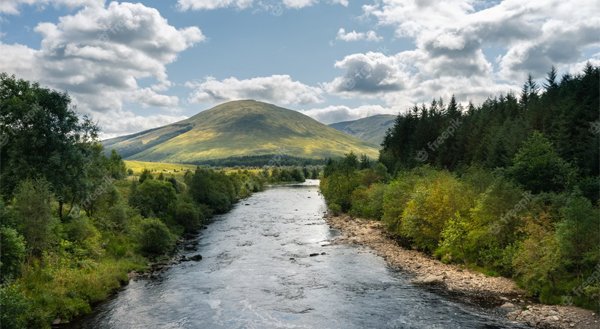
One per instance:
(370,129)
(242,130)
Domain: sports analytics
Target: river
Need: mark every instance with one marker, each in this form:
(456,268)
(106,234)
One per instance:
(257,272)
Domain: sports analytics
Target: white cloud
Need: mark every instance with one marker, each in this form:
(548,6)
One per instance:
(12,7)
(271,5)
(279,89)
(357,36)
(129,122)
(99,54)
(534,34)
(213,4)
(339,113)
(368,74)
(451,38)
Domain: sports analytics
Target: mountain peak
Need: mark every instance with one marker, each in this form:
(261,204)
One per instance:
(243,128)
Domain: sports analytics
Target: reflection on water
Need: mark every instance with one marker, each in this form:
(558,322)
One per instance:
(257,272)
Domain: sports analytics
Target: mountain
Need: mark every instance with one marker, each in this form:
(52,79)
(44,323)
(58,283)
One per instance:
(370,129)
(237,130)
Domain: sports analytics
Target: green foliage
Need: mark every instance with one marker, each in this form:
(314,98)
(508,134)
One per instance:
(188,215)
(116,167)
(490,135)
(537,262)
(153,198)
(215,189)
(12,253)
(539,168)
(43,133)
(155,238)
(13,308)
(434,200)
(286,174)
(395,198)
(84,237)
(577,234)
(146,174)
(33,207)
(367,202)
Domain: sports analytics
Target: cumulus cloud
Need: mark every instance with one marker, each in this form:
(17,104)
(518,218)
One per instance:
(339,113)
(534,34)
(357,36)
(369,73)
(451,39)
(100,53)
(280,89)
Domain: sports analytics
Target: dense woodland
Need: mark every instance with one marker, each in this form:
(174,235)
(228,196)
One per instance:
(74,222)
(510,187)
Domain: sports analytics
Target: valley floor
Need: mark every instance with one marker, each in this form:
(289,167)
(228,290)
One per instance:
(465,284)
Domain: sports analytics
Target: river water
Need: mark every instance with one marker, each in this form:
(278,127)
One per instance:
(257,272)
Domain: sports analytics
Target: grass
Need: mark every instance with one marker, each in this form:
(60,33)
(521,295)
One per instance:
(158,167)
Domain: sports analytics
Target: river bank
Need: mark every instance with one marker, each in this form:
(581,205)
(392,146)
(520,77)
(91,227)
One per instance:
(467,285)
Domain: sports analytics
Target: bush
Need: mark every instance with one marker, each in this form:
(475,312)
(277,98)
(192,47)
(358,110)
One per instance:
(436,199)
(368,202)
(155,237)
(495,225)
(215,189)
(337,189)
(395,197)
(153,198)
(188,215)
(34,211)
(84,237)
(13,308)
(12,253)
(537,262)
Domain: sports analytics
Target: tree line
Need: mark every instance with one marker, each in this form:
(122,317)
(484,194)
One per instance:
(509,187)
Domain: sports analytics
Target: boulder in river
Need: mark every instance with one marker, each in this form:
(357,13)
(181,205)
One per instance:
(196,258)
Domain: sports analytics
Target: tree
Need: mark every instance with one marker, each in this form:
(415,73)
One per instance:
(155,237)
(153,198)
(12,253)
(33,210)
(551,84)
(539,168)
(116,166)
(188,215)
(146,174)
(43,135)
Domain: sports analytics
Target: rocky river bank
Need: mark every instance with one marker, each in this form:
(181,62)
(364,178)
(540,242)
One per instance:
(469,286)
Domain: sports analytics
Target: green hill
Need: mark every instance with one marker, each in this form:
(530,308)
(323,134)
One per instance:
(370,129)
(239,129)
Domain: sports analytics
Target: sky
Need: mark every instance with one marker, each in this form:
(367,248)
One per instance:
(138,65)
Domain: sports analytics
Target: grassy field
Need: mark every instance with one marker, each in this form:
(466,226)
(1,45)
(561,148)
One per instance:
(158,167)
